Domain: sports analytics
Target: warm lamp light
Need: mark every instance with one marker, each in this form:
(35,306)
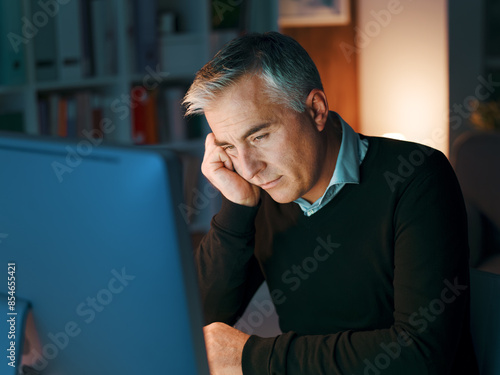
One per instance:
(399,136)
(404,71)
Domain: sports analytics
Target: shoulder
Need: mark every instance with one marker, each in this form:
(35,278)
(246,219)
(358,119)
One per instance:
(400,155)
(394,151)
(402,163)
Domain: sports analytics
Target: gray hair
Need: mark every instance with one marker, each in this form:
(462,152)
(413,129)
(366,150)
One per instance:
(288,72)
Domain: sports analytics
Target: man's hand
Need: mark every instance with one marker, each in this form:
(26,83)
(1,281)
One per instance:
(224,348)
(219,169)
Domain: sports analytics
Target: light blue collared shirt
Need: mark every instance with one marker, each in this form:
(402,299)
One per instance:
(351,154)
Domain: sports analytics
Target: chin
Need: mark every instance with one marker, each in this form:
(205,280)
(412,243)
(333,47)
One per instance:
(283,196)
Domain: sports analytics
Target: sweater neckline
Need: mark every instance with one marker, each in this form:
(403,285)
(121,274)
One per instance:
(365,172)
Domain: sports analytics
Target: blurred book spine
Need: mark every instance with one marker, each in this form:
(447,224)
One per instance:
(104,39)
(69,38)
(144,116)
(146,33)
(45,49)
(12,44)
(78,114)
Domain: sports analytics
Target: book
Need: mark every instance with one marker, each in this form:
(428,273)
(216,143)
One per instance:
(69,41)
(97,116)
(130,36)
(44,46)
(43,116)
(145,26)
(88,68)
(144,116)
(53,101)
(151,119)
(108,123)
(83,113)
(71,117)
(12,44)
(62,117)
(177,127)
(104,43)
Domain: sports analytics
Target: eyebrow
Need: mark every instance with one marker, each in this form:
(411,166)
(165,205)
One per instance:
(248,133)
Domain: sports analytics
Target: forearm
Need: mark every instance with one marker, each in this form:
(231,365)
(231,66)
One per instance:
(227,270)
(424,344)
(419,342)
(347,353)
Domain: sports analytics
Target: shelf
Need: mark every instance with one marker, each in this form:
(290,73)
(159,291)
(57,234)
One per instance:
(8,90)
(194,146)
(160,78)
(84,83)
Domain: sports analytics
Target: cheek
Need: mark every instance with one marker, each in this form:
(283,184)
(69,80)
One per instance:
(305,164)
(285,157)
(291,164)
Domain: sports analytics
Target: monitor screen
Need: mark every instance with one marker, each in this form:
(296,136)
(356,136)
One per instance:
(92,239)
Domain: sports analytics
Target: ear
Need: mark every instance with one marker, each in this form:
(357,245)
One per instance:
(317,107)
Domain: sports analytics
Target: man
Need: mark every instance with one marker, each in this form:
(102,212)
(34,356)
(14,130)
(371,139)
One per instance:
(362,240)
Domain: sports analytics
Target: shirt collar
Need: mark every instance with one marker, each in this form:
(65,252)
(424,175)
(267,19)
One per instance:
(347,166)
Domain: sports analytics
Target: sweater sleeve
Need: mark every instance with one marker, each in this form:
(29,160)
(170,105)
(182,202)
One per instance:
(430,297)
(228,272)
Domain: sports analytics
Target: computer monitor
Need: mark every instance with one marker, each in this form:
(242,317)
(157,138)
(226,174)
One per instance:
(102,255)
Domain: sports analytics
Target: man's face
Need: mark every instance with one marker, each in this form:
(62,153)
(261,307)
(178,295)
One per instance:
(270,145)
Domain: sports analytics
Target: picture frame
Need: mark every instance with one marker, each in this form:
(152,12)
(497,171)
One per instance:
(303,13)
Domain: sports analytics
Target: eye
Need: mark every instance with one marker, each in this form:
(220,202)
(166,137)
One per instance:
(228,147)
(260,137)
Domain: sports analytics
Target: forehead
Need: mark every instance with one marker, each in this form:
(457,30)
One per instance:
(240,106)
(248,91)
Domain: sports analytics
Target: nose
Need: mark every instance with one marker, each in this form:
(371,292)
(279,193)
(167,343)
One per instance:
(249,163)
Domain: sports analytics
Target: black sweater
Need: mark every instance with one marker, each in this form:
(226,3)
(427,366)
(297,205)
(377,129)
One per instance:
(376,282)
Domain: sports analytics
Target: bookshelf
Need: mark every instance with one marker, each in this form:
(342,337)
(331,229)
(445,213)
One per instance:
(108,48)
(43,39)
(68,65)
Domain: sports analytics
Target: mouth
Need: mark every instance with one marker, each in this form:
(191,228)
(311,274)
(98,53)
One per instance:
(270,184)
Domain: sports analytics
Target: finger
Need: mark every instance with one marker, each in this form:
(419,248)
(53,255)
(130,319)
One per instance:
(209,140)
(216,155)
(224,158)
(210,148)
(210,144)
